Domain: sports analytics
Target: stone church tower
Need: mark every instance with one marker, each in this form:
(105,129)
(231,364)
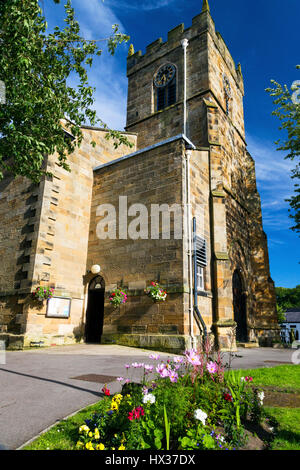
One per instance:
(185,119)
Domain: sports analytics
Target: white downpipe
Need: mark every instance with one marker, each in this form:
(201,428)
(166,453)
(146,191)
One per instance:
(184,44)
(190,260)
(188,153)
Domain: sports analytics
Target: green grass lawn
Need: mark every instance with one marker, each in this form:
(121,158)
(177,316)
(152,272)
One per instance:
(64,435)
(287,435)
(284,377)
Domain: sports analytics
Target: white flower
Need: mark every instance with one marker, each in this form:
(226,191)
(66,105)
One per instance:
(243,379)
(200,416)
(149,398)
(261,397)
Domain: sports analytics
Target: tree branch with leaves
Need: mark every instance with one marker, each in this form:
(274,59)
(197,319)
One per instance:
(288,111)
(35,67)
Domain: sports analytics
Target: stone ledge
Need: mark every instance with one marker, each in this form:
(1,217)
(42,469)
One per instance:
(221,256)
(219,193)
(209,104)
(225,324)
(173,344)
(248,345)
(12,342)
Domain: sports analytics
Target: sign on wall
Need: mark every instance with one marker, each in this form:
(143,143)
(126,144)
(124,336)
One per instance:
(58,307)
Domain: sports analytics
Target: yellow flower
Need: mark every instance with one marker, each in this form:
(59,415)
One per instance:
(79,444)
(84,428)
(100,447)
(122,447)
(113,448)
(89,446)
(97,434)
(91,434)
(114,406)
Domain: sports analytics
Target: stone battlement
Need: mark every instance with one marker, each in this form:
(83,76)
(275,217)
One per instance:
(201,24)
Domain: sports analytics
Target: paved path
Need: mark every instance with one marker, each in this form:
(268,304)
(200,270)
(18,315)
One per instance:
(37,387)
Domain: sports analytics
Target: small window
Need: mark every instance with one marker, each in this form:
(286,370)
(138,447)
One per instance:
(166,96)
(200,278)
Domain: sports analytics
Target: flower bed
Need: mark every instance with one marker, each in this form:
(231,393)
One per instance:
(184,403)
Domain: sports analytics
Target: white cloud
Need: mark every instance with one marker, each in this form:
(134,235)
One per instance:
(274,184)
(108,73)
(270,163)
(140,4)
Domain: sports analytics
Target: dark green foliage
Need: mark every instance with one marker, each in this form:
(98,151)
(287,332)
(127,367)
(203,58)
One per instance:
(35,67)
(288,298)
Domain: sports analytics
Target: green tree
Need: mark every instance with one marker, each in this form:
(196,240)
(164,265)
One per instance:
(288,298)
(288,111)
(35,67)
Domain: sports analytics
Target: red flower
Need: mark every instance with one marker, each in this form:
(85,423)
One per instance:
(249,379)
(136,413)
(106,391)
(228,397)
(113,294)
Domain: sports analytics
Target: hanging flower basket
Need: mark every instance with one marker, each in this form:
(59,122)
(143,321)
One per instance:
(43,293)
(156,292)
(118,297)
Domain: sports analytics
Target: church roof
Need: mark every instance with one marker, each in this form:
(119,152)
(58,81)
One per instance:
(292,315)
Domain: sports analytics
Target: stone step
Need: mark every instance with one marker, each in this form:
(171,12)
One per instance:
(248,345)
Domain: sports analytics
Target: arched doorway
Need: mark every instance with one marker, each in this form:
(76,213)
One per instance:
(239,307)
(95,310)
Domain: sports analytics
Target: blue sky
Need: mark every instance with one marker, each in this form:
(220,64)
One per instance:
(263,36)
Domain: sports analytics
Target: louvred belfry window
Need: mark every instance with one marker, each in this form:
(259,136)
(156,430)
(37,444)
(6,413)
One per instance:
(165,83)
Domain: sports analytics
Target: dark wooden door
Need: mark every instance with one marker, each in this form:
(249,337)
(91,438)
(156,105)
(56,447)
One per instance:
(239,306)
(95,311)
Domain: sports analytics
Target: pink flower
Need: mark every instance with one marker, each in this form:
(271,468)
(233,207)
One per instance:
(212,367)
(249,379)
(119,379)
(173,376)
(178,359)
(149,368)
(160,368)
(154,356)
(164,373)
(193,358)
(127,366)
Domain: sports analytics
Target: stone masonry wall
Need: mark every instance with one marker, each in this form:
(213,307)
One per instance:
(152,177)
(60,235)
(20,207)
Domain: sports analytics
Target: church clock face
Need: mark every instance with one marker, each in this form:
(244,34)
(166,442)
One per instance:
(164,75)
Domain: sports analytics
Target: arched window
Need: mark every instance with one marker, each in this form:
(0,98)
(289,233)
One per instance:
(165,86)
